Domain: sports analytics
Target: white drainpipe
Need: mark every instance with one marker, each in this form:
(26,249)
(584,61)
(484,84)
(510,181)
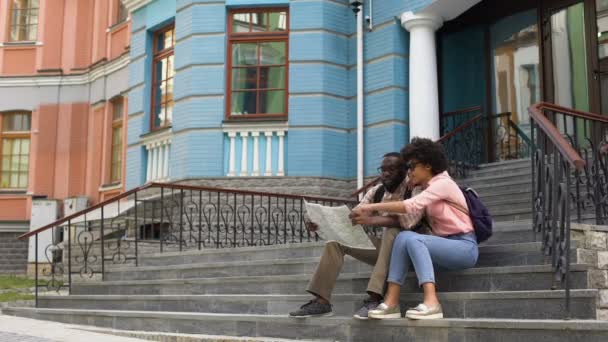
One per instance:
(360,99)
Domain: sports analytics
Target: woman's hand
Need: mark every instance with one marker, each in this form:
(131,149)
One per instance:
(362,210)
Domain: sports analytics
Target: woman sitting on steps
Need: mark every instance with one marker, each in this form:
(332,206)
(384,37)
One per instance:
(452,246)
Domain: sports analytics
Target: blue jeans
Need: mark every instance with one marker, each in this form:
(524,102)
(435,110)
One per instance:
(456,252)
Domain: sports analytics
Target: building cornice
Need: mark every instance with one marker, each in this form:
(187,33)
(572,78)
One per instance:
(67,80)
(134,5)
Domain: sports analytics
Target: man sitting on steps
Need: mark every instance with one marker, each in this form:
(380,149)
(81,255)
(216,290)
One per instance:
(393,187)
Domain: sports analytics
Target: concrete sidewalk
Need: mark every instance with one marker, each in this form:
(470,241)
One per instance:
(17,329)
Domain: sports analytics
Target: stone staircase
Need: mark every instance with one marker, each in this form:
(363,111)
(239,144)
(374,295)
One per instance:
(249,291)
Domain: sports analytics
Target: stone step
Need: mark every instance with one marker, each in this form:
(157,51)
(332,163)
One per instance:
(283,263)
(515,304)
(491,171)
(506,164)
(503,233)
(339,328)
(496,178)
(505,278)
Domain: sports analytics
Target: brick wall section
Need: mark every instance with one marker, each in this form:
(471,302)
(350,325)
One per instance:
(13,254)
(593,247)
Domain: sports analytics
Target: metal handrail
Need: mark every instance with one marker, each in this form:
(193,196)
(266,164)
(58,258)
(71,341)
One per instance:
(175,187)
(567,164)
(442,139)
(536,114)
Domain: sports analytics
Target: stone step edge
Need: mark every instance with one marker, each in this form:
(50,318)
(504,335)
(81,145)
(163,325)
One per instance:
(480,323)
(292,277)
(548,294)
(173,337)
(483,249)
(500,227)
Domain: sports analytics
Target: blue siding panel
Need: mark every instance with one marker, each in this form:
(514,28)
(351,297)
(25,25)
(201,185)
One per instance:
(326,15)
(319,110)
(201,18)
(379,141)
(134,165)
(197,112)
(200,50)
(388,72)
(197,154)
(199,80)
(318,47)
(317,152)
(318,77)
(390,104)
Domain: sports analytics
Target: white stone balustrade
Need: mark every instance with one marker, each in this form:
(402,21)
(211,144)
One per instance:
(273,136)
(158,150)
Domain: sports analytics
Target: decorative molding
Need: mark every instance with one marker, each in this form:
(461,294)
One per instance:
(134,5)
(238,127)
(163,136)
(111,187)
(67,80)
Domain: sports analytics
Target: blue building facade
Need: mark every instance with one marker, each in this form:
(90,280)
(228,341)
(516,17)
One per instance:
(318,136)
(296,62)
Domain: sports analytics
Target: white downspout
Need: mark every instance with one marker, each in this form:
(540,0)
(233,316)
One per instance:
(360,99)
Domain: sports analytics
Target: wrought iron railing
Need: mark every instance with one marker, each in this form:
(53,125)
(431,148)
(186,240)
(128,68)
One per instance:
(157,218)
(510,141)
(569,175)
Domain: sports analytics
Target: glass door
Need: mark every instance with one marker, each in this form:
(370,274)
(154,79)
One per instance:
(600,74)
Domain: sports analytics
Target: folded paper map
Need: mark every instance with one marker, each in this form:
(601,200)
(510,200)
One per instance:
(335,225)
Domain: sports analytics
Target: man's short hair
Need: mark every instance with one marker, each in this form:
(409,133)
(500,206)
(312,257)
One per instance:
(392,154)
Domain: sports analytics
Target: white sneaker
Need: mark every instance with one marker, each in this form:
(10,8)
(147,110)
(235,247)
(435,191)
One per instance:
(424,312)
(383,311)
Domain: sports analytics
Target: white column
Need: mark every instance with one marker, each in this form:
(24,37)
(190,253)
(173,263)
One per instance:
(149,169)
(231,171)
(152,156)
(423,85)
(154,152)
(256,154)
(281,169)
(244,161)
(166,160)
(268,171)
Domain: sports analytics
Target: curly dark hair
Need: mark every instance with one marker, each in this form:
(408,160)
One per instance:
(426,152)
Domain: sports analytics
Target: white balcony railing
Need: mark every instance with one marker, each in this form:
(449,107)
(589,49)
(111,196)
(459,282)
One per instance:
(158,151)
(266,157)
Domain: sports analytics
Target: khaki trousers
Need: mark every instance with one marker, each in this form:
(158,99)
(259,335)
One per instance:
(332,259)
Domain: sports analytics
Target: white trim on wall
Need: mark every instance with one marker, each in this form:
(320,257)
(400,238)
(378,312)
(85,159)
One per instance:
(67,80)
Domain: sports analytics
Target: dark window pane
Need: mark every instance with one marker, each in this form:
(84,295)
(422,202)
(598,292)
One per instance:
(244,54)
(168,91)
(277,21)
(259,22)
(32,32)
(243,102)
(19,122)
(122,12)
(170,66)
(244,78)
(169,113)
(117,109)
(158,114)
(240,22)
(272,53)
(272,102)
(165,40)
(272,77)
(161,70)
